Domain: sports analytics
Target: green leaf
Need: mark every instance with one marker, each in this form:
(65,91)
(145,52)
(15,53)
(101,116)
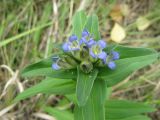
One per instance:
(94,108)
(93,27)
(131,60)
(43,68)
(79,22)
(123,110)
(72,98)
(59,114)
(49,86)
(138,117)
(39,68)
(114,109)
(84,85)
(127,51)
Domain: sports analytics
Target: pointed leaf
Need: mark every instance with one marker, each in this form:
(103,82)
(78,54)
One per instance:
(49,86)
(93,27)
(43,68)
(79,22)
(139,117)
(122,109)
(84,85)
(94,108)
(130,61)
(59,114)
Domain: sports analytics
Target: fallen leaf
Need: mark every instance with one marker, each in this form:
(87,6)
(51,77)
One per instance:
(118,33)
(125,9)
(116,14)
(142,23)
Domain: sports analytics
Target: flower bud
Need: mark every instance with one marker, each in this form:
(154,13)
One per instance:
(84,53)
(76,55)
(86,66)
(71,61)
(62,63)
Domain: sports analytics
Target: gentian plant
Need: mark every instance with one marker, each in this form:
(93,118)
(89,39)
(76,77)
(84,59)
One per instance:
(85,71)
(86,53)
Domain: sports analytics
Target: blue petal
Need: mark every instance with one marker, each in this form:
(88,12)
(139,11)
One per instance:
(73,38)
(55,66)
(82,40)
(90,43)
(115,55)
(65,47)
(92,54)
(85,33)
(103,56)
(102,44)
(112,65)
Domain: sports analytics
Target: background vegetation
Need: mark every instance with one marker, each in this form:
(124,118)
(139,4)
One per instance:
(33,29)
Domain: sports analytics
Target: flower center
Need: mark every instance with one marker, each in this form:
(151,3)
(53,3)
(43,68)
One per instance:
(74,45)
(96,49)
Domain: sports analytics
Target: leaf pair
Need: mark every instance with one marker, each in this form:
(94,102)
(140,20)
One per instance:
(67,86)
(81,22)
(131,59)
(114,109)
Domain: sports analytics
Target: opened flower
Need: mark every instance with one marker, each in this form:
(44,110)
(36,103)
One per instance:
(72,44)
(96,51)
(86,52)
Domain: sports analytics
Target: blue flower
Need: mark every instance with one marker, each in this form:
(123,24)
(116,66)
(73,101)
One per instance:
(92,54)
(74,46)
(55,66)
(96,52)
(71,46)
(103,56)
(90,43)
(85,49)
(73,38)
(82,41)
(65,47)
(102,44)
(85,33)
(112,65)
(115,55)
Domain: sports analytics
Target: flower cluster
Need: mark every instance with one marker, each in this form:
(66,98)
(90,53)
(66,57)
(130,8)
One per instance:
(87,52)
